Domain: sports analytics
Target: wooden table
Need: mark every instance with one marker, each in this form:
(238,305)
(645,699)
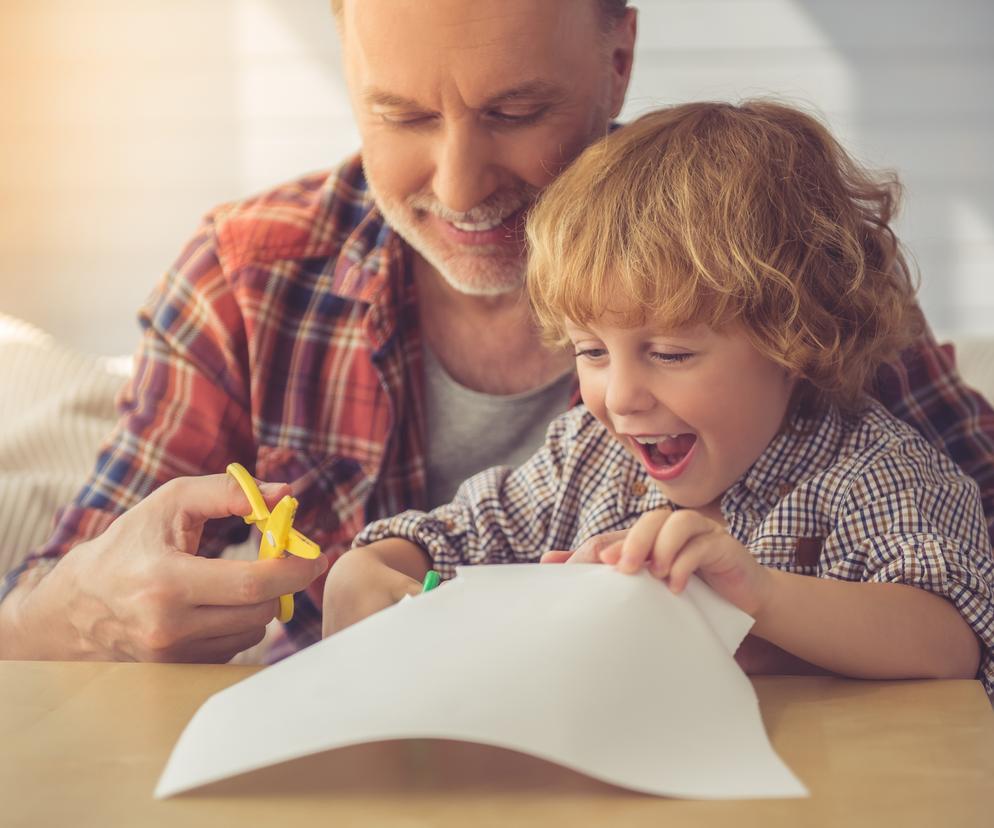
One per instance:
(83,744)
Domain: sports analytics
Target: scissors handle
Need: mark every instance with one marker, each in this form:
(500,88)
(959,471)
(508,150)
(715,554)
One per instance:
(286,608)
(259,511)
(278,534)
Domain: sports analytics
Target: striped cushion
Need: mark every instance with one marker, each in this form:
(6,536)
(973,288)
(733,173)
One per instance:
(56,405)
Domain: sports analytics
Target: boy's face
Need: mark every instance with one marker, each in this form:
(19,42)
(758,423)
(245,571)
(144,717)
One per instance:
(695,407)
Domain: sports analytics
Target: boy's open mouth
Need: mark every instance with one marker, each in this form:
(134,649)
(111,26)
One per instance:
(666,455)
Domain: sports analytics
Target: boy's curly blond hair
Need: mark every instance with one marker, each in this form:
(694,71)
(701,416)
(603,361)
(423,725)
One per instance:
(719,214)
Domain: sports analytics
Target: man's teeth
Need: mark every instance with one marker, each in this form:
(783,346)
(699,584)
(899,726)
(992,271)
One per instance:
(651,441)
(476,227)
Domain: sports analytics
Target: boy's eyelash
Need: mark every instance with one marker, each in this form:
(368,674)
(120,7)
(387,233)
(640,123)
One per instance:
(593,353)
(661,357)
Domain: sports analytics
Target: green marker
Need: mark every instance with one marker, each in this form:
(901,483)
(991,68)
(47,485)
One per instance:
(431,581)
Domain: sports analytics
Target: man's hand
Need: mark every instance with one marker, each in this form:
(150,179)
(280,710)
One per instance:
(362,583)
(138,592)
(675,545)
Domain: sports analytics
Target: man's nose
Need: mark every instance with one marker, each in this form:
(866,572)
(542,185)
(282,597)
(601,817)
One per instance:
(627,392)
(465,167)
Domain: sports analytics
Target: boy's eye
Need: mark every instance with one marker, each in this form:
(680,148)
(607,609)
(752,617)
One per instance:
(670,357)
(590,353)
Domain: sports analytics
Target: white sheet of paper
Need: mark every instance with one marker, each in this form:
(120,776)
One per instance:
(611,675)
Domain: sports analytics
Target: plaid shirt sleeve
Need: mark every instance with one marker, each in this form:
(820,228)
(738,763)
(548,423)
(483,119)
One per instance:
(925,390)
(912,518)
(184,412)
(500,515)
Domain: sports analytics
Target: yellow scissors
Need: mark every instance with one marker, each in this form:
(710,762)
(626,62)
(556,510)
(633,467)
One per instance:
(278,534)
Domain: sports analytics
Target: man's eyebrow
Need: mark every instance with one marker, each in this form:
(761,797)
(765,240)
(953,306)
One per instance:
(536,89)
(529,90)
(378,97)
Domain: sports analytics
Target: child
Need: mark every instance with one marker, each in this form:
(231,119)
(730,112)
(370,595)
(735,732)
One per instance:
(729,282)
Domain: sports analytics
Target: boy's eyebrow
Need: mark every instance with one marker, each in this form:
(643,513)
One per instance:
(529,90)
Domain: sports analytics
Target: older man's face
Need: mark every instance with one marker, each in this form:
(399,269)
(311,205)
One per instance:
(467,109)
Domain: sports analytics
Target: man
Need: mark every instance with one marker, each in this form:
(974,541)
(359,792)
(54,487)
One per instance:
(289,335)
(325,334)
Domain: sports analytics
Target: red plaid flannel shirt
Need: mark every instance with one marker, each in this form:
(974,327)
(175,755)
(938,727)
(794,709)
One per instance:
(286,338)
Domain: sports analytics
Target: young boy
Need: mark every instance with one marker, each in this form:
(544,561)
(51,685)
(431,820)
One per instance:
(729,281)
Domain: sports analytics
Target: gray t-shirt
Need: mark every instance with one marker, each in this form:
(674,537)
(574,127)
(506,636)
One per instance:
(456,416)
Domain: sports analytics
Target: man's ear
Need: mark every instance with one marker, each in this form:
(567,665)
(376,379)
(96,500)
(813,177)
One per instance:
(622,44)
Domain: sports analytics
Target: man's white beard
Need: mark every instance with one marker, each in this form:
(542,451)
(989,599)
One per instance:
(471,274)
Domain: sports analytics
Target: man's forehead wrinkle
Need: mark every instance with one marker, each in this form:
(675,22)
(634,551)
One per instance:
(533,90)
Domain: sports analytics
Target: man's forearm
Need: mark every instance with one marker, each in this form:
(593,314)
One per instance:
(868,630)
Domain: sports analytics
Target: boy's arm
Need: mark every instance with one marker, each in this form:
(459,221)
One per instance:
(906,587)
(867,630)
(499,515)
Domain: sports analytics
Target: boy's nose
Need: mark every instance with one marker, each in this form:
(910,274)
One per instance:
(465,174)
(626,394)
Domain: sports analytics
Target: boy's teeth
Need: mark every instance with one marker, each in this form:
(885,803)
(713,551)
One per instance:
(651,441)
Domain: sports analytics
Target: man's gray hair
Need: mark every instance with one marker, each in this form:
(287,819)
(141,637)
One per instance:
(612,10)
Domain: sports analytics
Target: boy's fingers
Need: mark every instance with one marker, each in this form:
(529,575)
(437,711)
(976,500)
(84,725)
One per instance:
(555,556)
(589,551)
(686,564)
(640,541)
(610,553)
(674,538)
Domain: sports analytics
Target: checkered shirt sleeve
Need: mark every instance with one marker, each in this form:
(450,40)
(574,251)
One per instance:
(912,517)
(563,494)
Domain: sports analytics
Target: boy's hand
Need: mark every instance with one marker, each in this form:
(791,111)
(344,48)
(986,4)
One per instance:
(675,545)
(358,585)
(587,552)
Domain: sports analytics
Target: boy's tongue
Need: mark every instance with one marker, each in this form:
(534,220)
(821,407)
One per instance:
(671,450)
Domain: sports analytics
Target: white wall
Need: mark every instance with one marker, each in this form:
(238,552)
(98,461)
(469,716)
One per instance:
(124,120)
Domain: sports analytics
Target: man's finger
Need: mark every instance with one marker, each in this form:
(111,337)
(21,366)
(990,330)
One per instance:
(199,499)
(221,649)
(218,621)
(225,583)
